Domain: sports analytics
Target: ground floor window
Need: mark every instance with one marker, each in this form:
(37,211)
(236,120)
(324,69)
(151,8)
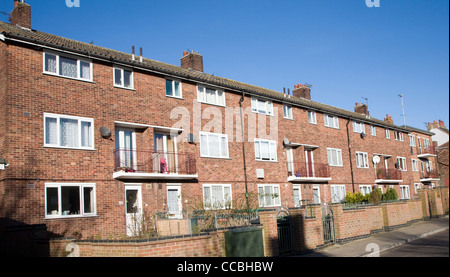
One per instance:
(365,189)
(404,192)
(417,186)
(337,193)
(297,196)
(69,199)
(269,195)
(217,196)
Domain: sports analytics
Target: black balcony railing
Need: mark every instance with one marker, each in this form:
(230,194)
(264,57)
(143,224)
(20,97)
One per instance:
(389,174)
(154,162)
(303,169)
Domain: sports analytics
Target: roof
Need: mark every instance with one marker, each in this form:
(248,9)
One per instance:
(45,40)
(413,129)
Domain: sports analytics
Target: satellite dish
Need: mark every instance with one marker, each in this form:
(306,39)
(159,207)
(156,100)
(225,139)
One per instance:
(105,132)
(363,135)
(285,141)
(376,159)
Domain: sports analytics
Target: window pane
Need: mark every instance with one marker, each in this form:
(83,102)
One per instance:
(70,200)
(50,63)
(117,76)
(217,197)
(68,67)
(220,98)
(127,79)
(262,106)
(211,96)
(85,70)
(204,145)
(169,89)
(296,197)
(52,201)
(177,91)
(257,150)
(207,196)
(261,196)
(213,146)
(224,146)
(265,150)
(51,135)
(69,132)
(273,151)
(86,134)
(268,195)
(88,198)
(201,94)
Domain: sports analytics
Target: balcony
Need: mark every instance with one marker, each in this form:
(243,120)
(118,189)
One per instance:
(141,165)
(307,172)
(429,175)
(426,151)
(388,176)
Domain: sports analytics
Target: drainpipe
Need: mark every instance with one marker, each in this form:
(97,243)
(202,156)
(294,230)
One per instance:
(243,151)
(350,155)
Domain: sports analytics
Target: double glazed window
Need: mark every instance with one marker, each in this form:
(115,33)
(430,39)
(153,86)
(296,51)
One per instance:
(69,200)
(66,66)
(373,130)
(262,106)
(334,157)
(337,193)
(358,127)
(213,145)
(217,196)
(331,121)
(362,160)
(265,150)
(123,78)
(269,195)
(173,88)
(401,163)
(210,96)
(398,135)
(287,112)
(68,131)
(312,117)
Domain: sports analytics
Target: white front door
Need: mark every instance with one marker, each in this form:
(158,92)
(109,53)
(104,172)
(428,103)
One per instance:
(174,201)
(133,209)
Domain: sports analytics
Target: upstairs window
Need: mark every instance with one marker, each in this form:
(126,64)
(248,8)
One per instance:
(373,131)
(312,117)
(362,160)
(358,127)
(210,96)
(68,131)
(331,121)
(401,161)
(287,112)
(387,133)
(123,78)
(262,106)
(173,88)
(398,135)
(334,157)
(213,145)
(412,140)
(265,150)
(66,66)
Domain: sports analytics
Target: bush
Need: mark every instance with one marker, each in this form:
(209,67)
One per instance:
(391,194)
(375,196)
(356,198)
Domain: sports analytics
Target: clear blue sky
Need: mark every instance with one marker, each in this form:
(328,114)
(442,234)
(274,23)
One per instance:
(343,48)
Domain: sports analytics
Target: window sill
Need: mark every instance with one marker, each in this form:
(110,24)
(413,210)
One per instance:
(266,161)
(132,89)
(218,105)
(71,148)
(220,158)
(69,216)
(337,128)
(170,96)
(66,77)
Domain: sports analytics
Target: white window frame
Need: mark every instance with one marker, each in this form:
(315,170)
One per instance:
(173,81)
(402,164)
(312,117)
(81,186)
(268,109)
(334,121)
(72,57)
(373,131)
(404,192)
(225,203)
(417,186)
(272,145)
(387,133)
(362,160)
(201,96)
(414,164)
(359,127)
(58,118)
(398,135)
(335,197)
(412,140)
(220,137)
(365,189)
(287,112)
(122,70)
(338,157)
(276,200)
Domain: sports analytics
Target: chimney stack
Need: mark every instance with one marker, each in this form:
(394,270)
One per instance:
(436,125)
(302,91)
(361,108)
(388,119)
(192,60)
(21,15)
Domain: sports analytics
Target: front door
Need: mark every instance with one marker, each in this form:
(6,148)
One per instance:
(133,210)
(174,201)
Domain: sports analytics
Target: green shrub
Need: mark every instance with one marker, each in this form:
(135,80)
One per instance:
(375,196)
(391,194)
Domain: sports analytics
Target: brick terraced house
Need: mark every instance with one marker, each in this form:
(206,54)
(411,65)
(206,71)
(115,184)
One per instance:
(89,136)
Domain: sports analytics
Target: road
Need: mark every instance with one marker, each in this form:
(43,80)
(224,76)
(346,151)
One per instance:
(436,245)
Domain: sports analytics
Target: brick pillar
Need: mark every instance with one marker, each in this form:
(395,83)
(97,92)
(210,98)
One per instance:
(270,232)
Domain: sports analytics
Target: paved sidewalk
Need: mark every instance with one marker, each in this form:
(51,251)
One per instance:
(384,240)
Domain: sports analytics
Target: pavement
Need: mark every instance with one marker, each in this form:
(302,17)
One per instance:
(377,243)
